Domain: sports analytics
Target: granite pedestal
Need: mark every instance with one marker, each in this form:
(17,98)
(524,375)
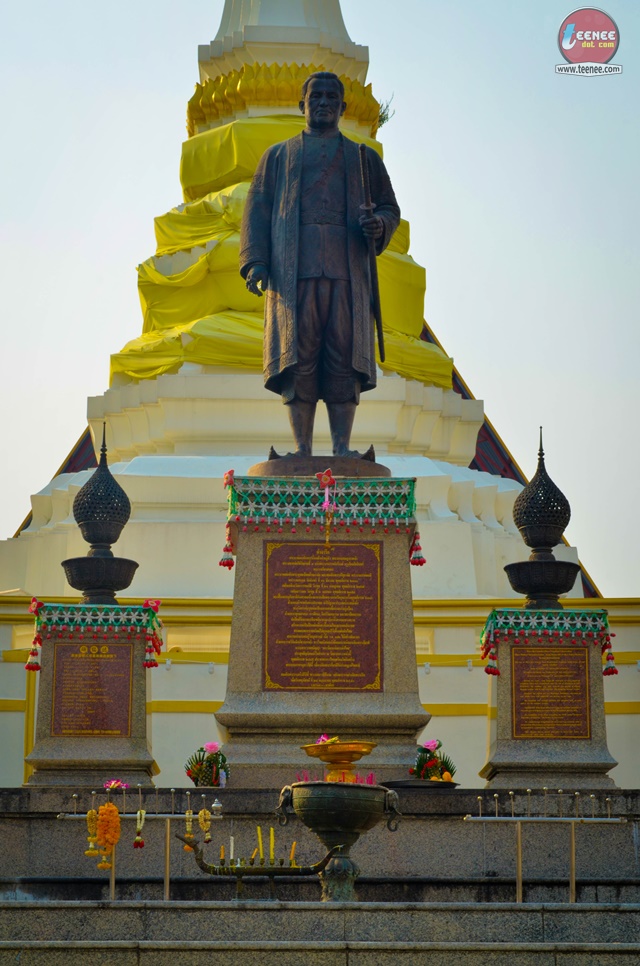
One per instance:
(322,636)
(91,722)
(550,729)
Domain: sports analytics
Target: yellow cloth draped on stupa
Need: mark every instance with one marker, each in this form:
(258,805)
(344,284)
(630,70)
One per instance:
(195,304)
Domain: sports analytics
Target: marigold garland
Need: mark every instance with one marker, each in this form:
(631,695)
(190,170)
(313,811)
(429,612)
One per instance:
(138,842)
(204,821)
(108,832)
(92,832)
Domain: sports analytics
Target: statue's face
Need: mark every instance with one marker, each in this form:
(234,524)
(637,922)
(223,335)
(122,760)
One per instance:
(322,105)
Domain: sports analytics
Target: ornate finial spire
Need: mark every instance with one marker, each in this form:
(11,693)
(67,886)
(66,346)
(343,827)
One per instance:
(541,513)
(101,510)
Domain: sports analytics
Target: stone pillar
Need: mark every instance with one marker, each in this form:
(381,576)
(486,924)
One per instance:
(550,728)
(91,723)
(322,634)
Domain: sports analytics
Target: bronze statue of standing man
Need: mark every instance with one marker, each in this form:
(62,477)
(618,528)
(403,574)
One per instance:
(304,245)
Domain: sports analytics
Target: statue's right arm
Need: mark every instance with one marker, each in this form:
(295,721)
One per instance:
(256,278)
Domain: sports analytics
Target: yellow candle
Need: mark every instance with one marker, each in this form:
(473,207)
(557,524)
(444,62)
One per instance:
(292,853)
(222,853)
(272,847)
(260,850)
(253,855)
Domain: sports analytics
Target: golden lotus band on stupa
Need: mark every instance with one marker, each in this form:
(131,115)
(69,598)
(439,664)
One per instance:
(196,308)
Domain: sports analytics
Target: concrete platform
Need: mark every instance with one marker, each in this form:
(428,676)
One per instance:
(345,933)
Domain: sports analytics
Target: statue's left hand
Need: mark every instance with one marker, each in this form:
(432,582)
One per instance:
(372,226)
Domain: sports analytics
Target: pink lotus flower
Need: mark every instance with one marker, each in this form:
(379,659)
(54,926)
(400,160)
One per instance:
(321,740)
(431,745)
(211,747)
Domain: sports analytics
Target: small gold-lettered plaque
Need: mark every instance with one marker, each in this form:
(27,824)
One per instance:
(550,692)
(92,690)
(323,617)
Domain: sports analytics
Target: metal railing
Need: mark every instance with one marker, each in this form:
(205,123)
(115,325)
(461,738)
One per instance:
(570,820)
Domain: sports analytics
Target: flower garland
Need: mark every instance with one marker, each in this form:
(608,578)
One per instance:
(359,504)
(81,622)
(92,832)
(138,842)
(204,821)
(416,558)
(327,481)
(107,832)
(546,627)
(188,822)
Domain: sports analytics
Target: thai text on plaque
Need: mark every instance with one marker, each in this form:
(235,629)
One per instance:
(550,692)
(323,617)
(92,690)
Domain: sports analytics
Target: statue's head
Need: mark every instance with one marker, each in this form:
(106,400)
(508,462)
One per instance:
(323,100)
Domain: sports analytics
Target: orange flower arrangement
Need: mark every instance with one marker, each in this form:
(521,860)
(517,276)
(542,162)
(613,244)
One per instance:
(108,832)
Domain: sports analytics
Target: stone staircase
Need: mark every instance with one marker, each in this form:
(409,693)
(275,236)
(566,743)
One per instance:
(275,933)
(440,891)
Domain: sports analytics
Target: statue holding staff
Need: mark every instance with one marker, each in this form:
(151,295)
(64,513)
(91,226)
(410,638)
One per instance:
(304,245)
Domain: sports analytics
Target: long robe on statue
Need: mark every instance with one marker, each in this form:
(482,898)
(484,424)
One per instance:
(270,236)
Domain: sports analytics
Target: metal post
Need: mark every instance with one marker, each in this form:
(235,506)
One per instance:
(518,861)
(572,864)
(167,858)
(112,876)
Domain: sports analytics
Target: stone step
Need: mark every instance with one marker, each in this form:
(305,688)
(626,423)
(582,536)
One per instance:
(336,953)
(369,889)
(261,922)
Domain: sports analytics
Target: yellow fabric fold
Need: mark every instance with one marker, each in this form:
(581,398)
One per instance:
(191,225)
(234,339)
(230,153)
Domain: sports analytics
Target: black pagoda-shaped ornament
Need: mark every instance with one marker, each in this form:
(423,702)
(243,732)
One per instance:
(542,513)
(101,509)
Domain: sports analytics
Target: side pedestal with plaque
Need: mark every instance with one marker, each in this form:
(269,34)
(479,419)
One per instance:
(550,727)
(91,722)
(322,636)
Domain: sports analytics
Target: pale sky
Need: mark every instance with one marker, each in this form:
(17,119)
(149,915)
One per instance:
(520,186)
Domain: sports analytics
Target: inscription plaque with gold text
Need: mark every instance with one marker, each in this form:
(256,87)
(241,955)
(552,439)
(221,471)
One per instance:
(550,692)
(92,690)
(323,617)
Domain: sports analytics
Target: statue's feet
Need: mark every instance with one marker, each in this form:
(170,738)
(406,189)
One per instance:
(301,453)
(354,454)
